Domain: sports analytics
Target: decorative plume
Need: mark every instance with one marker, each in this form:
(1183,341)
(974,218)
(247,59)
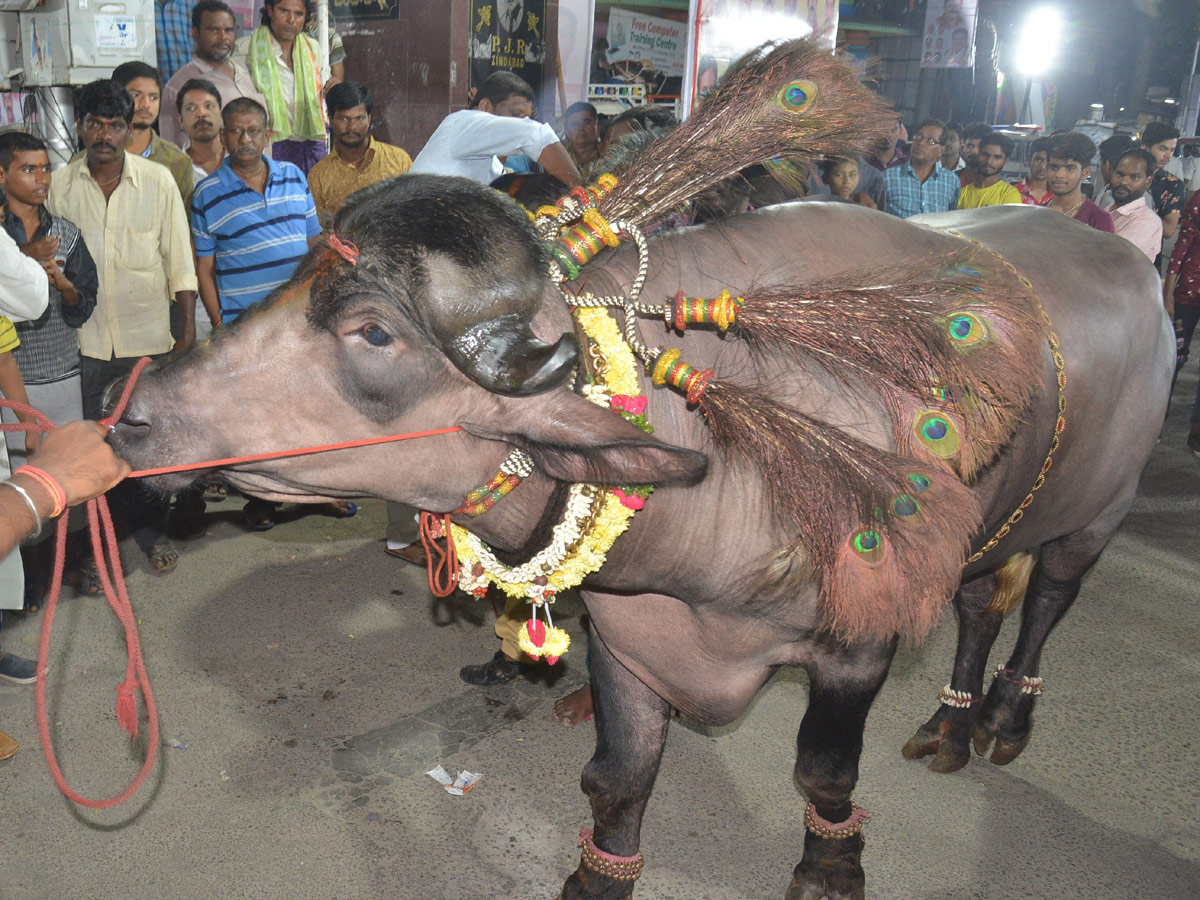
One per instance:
(947,342)
(792,99)
(888,535)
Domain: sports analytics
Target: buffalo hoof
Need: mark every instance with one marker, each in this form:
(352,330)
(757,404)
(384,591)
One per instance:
(1006,749)
(927,740)
(830,870)
(940,739)
(951,757)
(823,886)
(585,884)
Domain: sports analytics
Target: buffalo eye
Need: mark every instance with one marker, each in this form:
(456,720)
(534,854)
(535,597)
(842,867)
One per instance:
(375,336)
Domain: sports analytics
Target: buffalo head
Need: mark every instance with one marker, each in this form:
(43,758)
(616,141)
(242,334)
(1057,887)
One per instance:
(424,308)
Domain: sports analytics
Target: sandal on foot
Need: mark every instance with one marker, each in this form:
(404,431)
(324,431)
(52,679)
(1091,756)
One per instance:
(498,670)
(85,578)
(340,509)
(258,516)
(36,589)
(215,493)
(163,558)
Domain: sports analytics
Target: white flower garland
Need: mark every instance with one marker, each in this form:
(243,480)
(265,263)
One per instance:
(595,516)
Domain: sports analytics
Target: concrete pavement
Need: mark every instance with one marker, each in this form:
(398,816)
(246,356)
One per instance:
(306,681)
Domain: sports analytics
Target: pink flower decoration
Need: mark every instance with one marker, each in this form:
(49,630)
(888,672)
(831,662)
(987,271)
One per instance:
(626,403)
(630,501)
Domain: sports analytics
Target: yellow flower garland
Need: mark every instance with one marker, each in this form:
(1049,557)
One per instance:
(606,518)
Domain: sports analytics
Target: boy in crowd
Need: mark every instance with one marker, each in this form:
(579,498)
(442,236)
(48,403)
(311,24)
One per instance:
(48,355)
(1069,164)
(990,189)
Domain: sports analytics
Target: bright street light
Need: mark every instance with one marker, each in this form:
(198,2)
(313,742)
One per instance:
(1038,41)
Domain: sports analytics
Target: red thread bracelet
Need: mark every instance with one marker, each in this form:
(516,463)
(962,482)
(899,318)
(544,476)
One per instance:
(46,480)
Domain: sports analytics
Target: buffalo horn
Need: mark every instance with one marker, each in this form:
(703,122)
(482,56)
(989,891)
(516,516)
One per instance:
(506,357)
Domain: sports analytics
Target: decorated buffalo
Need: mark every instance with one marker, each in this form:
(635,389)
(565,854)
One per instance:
(832,418)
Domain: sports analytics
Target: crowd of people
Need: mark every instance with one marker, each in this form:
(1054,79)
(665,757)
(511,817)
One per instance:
(203,183)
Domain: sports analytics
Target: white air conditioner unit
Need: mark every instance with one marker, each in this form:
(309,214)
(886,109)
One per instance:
(78,41)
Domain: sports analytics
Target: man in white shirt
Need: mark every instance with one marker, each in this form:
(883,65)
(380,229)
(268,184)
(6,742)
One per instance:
(24,287)
(469,142)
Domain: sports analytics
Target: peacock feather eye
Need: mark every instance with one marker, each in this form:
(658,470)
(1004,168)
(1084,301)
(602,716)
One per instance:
(919,482)
(906,505)
(797,96)
(937,433)
(967,329)
(868,545)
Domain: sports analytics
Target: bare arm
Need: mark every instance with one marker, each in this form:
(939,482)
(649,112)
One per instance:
(1169,294)
(206,267)
(187,316)
(557,162)
(1170,223)
(77,457)
(13,388)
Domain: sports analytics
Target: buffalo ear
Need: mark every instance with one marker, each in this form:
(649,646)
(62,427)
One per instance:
(572,439)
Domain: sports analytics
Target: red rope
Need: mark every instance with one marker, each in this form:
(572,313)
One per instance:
(112,579)
(442,567)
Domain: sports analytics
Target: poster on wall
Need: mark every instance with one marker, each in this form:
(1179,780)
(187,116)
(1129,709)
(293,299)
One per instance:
(508,36)
(575,20)
(948,40)
(651,42)
(723,30)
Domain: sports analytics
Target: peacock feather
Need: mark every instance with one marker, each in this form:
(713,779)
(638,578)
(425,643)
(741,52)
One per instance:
(792,100)
(947,343)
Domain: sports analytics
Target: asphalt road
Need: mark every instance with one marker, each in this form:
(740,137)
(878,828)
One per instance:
(306,681)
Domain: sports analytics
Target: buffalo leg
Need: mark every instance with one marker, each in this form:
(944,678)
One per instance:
(947,735)
(631,728)
(1007,712)
(841,691)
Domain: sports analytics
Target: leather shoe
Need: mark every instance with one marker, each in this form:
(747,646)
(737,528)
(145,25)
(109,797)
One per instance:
(1193,441)
(498,670)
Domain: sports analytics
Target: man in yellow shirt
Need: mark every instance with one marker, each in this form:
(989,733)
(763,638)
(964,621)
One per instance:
(358,159)
(992,190)
(134,224)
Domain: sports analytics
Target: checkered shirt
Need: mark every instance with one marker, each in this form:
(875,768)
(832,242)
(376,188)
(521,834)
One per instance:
(908,196)
(49,348)
(172,36)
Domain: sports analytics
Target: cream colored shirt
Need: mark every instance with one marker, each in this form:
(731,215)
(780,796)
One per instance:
(141,243)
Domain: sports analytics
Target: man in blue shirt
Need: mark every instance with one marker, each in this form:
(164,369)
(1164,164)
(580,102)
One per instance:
(253,219)
(921,185)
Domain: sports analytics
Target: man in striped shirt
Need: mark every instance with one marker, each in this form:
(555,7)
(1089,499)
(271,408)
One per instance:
(253,219)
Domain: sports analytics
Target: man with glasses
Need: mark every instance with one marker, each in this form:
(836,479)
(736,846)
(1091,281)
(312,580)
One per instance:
(921,185)
(253,220)
(134,224)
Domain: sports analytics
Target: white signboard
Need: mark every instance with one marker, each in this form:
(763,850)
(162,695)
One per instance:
(633,36)
(948,41)
(116,33)
(725,29)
